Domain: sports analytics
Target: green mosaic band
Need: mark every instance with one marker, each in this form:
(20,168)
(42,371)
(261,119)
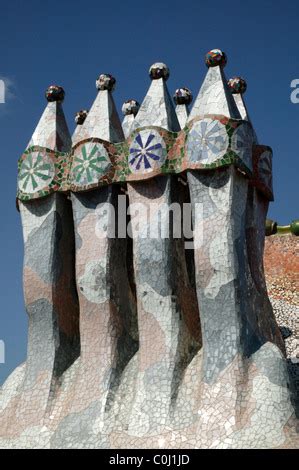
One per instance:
(206,143)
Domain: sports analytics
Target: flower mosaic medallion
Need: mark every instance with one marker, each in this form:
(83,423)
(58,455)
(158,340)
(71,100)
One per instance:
(90,163)
(207,141)
(242,142)
(147,152)
(36,172)
(265,168)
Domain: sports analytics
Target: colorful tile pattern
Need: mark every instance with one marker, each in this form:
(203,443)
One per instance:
(36,172)
(90,163)
(237,85)
(215,58)
(147,152)
(205,143)
(41,172)
(182,96)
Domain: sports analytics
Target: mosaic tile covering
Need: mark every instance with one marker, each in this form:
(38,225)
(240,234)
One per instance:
(178,348)
(182,112)
(215,97)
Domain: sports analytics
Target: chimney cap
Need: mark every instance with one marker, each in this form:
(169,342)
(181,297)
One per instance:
(55,93)
(105,82)
(216,57)
(159,70)
(182,96)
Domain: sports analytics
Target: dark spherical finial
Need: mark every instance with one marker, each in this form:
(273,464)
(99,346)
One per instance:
(216,57)
(130,107)
(182,96)
(237,85)
(105,82)
(80,116)
(55,93)
(159,70)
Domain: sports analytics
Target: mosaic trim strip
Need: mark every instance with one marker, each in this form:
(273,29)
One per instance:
(206,143)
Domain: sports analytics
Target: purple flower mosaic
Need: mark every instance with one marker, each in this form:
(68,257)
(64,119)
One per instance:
(147,152)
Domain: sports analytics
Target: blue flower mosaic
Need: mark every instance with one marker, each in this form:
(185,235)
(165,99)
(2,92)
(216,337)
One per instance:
(207,141)
(147,152)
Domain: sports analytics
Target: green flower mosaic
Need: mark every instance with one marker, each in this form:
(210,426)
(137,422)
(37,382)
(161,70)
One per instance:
(90,163)
(36,172)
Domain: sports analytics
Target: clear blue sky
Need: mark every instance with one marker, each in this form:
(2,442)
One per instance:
(71,42)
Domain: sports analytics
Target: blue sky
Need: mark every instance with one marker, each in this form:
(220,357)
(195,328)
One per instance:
(71,42)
